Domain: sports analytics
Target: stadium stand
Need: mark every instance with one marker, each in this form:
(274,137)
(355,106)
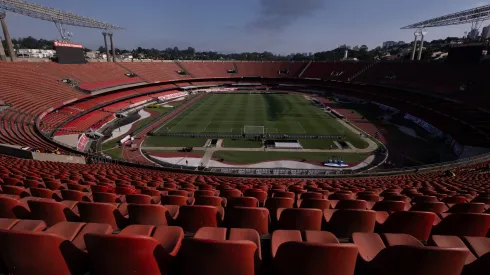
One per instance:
(118,219)
(155,71)
(81,205)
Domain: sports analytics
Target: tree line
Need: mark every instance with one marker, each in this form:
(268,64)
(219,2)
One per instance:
(362,53)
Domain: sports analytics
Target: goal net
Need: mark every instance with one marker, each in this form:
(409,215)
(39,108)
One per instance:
(253,130)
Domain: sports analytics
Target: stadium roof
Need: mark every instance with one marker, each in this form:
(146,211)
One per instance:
(54,15)
(463,17)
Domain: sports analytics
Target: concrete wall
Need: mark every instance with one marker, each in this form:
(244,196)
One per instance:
(16,151)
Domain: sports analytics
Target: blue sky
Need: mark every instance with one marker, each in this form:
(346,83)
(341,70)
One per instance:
(279,26)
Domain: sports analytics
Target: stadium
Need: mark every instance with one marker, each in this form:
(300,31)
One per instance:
(137,166)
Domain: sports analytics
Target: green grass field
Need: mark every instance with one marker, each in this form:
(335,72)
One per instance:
(241,143)
(238,157)
(278,113)
(154,141)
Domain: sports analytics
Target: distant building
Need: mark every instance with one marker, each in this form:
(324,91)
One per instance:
(389,44)
(485,32)
(35,53)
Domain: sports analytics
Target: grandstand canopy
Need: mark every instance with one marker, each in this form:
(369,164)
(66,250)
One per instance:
(54,15)
(480,14)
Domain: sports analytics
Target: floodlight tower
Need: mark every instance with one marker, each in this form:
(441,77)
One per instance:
(417,33)
(423,33)
(105,44)
(10,46)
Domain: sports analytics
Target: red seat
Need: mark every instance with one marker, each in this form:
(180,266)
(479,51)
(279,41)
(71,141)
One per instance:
(463,224)
(344,222)
(242,201)
(213,257)
(321,204)
(148,214)
(299,218)
(248,217)
(60,250)
(52,212)
(193,217)
(133,252)
(416,224)
(478,260)
(406,256)
(320,254)
(95,212)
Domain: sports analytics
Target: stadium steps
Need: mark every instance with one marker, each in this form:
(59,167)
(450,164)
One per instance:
(129,71)
(304,69)
(73,84)
(184,69)
(236,68)
(363,70)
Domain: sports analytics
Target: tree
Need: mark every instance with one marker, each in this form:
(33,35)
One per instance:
(363,48)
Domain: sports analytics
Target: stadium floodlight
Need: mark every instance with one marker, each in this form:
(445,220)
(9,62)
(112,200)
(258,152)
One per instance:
(59,17)
(477,15)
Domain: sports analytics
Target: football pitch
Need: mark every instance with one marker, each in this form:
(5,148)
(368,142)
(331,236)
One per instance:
(291,114)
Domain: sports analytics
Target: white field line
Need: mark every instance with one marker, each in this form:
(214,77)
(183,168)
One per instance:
(304,131)
(207,126)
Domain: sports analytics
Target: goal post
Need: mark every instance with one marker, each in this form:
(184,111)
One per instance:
(253,130)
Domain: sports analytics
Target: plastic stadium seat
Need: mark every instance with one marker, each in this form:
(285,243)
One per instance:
(248,217)
(52,212)
(478,260)
(141,199)
(311,195)
(75,195)
(321,204)
(218,257)
(108,197)
(242,201)
(390,206)
(416,224)
(283,194)
(258,194)
(182,193)
(58,250)
(343,222)
(206,193)
(209,200)
(95,212)
(46,193)
(148,214)
(396,198)
(338,196)
(469,207)
(299,218)
(352,204)
(407,256)
(424,199)
(12,208)
(101,189)
(16,190)
(22,225)
(320,254)
(193,217)
(176,200)
(368,197)
(133,253)
(455,199)
(231,193)
(463,224)
(435,207)
(273,204)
